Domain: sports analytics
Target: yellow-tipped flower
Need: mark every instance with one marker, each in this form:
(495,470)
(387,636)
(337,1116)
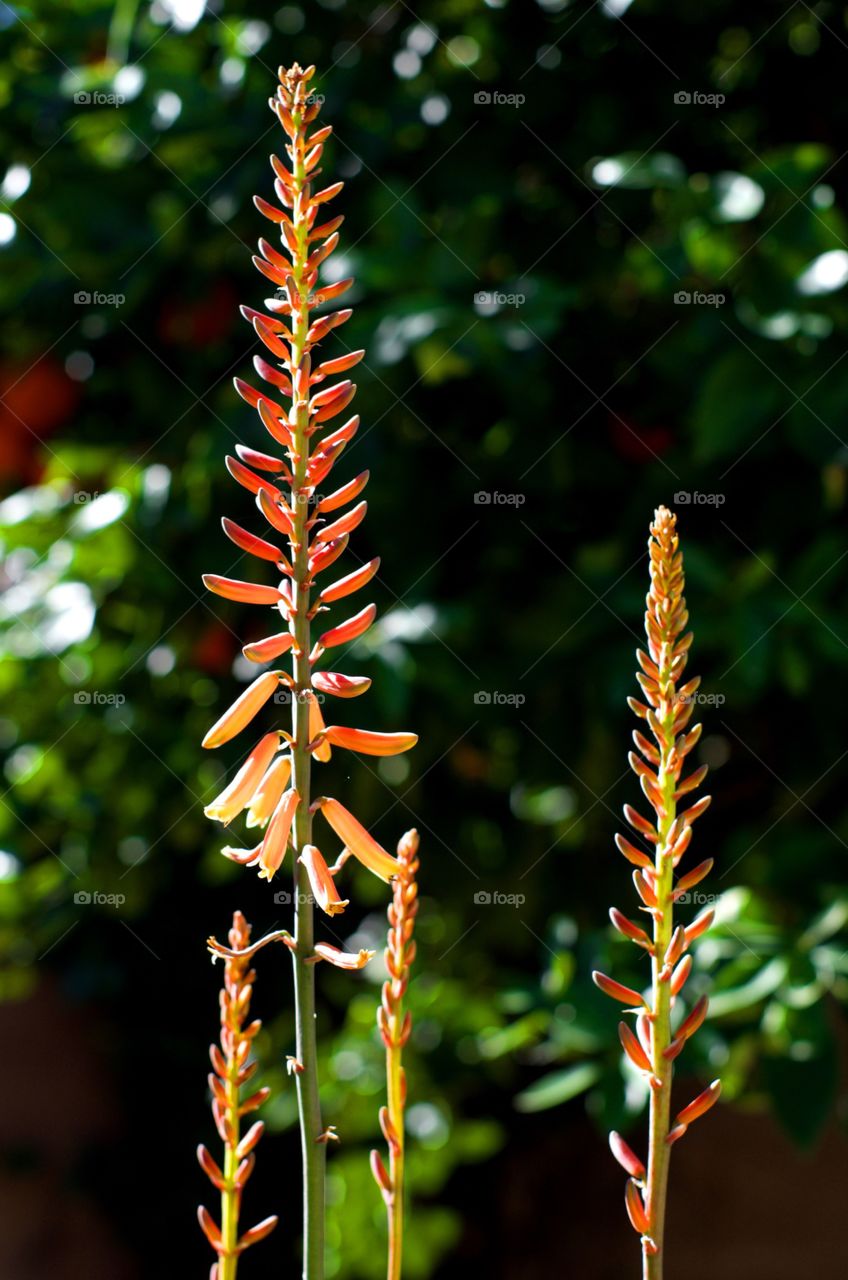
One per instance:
(277,836)
(238,795)
(323,884)
(269,792)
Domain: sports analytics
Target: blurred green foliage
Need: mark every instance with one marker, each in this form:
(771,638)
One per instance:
(527,199)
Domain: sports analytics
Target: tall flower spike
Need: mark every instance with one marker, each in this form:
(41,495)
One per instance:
(307,527)
(230,1071)
(667,710)
(395,1025)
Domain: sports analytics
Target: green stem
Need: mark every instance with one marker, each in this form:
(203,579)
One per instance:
(394,1073)
(228,1260)
(660,1109)
(306,1073)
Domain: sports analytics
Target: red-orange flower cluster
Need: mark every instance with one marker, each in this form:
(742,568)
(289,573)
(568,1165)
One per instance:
(653,1046)
(296,406)
(231,1069)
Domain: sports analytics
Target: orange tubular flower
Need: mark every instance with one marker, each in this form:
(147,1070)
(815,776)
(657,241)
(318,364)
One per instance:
(357,840)
(653,1046)
(231,1070)
(395,1025)
(322,882)
(299,409)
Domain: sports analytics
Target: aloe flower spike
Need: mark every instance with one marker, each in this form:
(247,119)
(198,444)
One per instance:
(654,1046)
(308,531)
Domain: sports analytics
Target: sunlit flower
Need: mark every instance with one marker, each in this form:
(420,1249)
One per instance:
(652,1047)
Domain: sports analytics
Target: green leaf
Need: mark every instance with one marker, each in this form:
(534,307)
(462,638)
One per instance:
(739,400)
(558,1087)
(803,1092)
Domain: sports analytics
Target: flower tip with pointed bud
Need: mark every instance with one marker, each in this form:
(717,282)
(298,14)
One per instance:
(617,991)
(408,845)
(625,1156)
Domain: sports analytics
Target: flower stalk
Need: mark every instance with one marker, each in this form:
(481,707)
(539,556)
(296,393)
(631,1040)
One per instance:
(395,1025)
(231,1070)
(655,1044)
(274,786)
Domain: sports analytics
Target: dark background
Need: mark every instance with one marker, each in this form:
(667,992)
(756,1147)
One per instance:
(586,198)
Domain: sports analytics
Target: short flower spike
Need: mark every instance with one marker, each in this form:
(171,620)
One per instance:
(664,838)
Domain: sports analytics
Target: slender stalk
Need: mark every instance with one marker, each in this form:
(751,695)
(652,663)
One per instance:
(228,1261)
(396,1090)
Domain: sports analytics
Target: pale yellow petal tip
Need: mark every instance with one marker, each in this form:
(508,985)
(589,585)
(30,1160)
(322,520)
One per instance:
(336,908)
